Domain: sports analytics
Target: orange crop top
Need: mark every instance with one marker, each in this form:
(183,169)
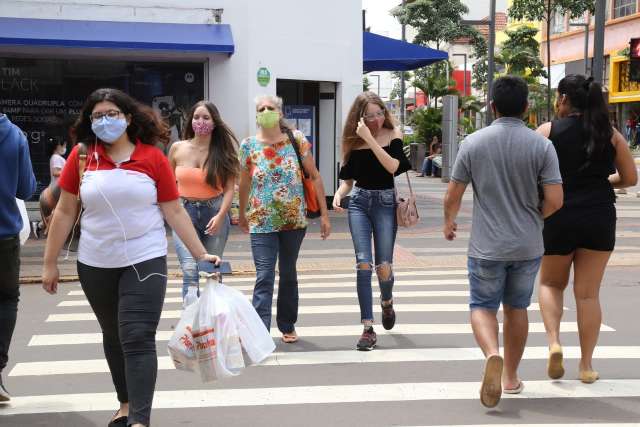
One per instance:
(192,184)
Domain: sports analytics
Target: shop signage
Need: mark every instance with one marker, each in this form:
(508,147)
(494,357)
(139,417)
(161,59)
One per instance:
(264,76)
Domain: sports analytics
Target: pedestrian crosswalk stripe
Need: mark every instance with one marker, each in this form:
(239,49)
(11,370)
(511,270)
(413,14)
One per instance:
(309,295)
(94,366)
(308,309)
(351,275)
(299,395)
(308,285)
(541,425)
(315,331)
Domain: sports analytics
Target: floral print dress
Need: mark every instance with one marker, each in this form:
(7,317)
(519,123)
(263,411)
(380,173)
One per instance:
(276,197)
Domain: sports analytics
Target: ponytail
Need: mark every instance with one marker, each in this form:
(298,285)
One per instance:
(596,123)
(585,97)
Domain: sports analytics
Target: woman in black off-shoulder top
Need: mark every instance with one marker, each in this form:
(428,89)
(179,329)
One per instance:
(372,156)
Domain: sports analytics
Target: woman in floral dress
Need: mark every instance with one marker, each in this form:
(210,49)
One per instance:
(272,210)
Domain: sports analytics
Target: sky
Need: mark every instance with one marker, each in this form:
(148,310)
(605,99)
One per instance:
(381,22)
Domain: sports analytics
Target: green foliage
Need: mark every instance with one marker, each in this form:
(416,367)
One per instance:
(366,84)
(541,10)
(520,53)
(395,91)
(435,21)
(434,81)
(469,104)
(427,123)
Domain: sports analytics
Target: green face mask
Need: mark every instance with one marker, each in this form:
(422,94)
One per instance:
(268,119)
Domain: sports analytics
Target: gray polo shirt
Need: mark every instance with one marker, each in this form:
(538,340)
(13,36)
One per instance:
(504,163)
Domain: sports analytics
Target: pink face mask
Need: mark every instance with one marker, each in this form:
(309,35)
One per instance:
(201,127)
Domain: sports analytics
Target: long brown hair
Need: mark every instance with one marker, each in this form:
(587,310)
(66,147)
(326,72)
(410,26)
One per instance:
(222,158)
(350,139)
(145,124)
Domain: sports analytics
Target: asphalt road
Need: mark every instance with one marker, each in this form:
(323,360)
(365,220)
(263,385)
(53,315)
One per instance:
(424,372)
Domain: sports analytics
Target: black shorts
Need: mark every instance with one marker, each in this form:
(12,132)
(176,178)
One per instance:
(572,228)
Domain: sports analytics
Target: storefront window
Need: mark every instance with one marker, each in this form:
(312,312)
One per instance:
(44,96)
(623,8)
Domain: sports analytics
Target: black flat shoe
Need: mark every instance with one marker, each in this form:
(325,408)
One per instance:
(119,422)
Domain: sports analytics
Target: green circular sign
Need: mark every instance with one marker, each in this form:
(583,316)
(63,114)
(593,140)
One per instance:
(264,76)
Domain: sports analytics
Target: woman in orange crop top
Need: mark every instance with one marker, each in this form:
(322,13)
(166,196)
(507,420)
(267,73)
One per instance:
(206,165)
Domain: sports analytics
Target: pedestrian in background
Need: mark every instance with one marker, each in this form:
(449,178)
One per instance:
(372,156)
(272,210)
(127,190)
(504,162)
(57,149)
(582,234)
(16,181)
(205,164)
(429,165)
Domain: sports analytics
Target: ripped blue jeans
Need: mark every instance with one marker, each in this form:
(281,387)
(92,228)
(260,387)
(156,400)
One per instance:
(201,213)
(373,212)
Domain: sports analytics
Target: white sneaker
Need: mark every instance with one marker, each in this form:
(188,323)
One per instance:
(4,394)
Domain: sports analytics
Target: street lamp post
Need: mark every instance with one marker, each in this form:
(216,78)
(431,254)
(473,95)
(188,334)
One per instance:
(377,76)
(464,85)
(402,88)
(585,25)
(598,42)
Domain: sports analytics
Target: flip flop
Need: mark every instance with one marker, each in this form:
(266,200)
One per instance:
(589,377)
(491,388)
(516,390)
(555,370)
(290,337)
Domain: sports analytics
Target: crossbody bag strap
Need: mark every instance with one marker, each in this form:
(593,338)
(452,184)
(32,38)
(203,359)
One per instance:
(409,182)
(297,150)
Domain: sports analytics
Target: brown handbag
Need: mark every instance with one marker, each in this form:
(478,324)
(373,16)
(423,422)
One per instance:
(406,209)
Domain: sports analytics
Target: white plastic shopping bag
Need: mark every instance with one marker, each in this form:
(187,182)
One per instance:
(255,338)
(212,332)
(217,344)
(181,343)
(24,233)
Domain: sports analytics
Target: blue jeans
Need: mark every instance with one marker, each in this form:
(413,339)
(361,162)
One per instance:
(265,248)
(372,212)
(509,282)
(201,213)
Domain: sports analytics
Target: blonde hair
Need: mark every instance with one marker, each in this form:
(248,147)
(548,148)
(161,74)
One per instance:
(350,139)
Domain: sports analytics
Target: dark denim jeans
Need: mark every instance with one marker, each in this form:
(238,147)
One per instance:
(128,312)
(266,248)
(9,293)
(201,213)
(372,212)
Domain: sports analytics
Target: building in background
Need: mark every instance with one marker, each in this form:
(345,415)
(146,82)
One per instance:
(170,54)
(568,47)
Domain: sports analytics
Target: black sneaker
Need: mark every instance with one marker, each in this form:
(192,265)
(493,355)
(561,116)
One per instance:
(388,316)
(367,341)
(4,394)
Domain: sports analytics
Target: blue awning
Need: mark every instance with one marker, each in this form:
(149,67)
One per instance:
(116,35)
(387,54)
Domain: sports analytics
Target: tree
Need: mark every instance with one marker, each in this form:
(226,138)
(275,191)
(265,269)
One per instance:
(434,81)
(520,53)
(543,10)
(427,123)
(397,75)
(365,83)
(436,21)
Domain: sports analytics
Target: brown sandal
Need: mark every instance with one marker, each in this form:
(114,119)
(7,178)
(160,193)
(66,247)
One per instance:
(290,337)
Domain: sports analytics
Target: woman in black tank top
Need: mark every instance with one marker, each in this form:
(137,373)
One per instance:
(582,232)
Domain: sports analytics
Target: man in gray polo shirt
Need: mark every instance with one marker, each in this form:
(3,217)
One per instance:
(504,163)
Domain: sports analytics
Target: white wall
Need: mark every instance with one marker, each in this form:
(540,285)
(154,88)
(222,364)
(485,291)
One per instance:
(294,39)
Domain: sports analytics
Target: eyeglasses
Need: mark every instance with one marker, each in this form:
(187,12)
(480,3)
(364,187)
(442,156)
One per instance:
(266,107)
(373,116)
(112,114)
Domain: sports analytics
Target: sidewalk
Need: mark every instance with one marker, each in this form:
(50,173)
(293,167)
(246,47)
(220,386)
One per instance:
(336,253)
